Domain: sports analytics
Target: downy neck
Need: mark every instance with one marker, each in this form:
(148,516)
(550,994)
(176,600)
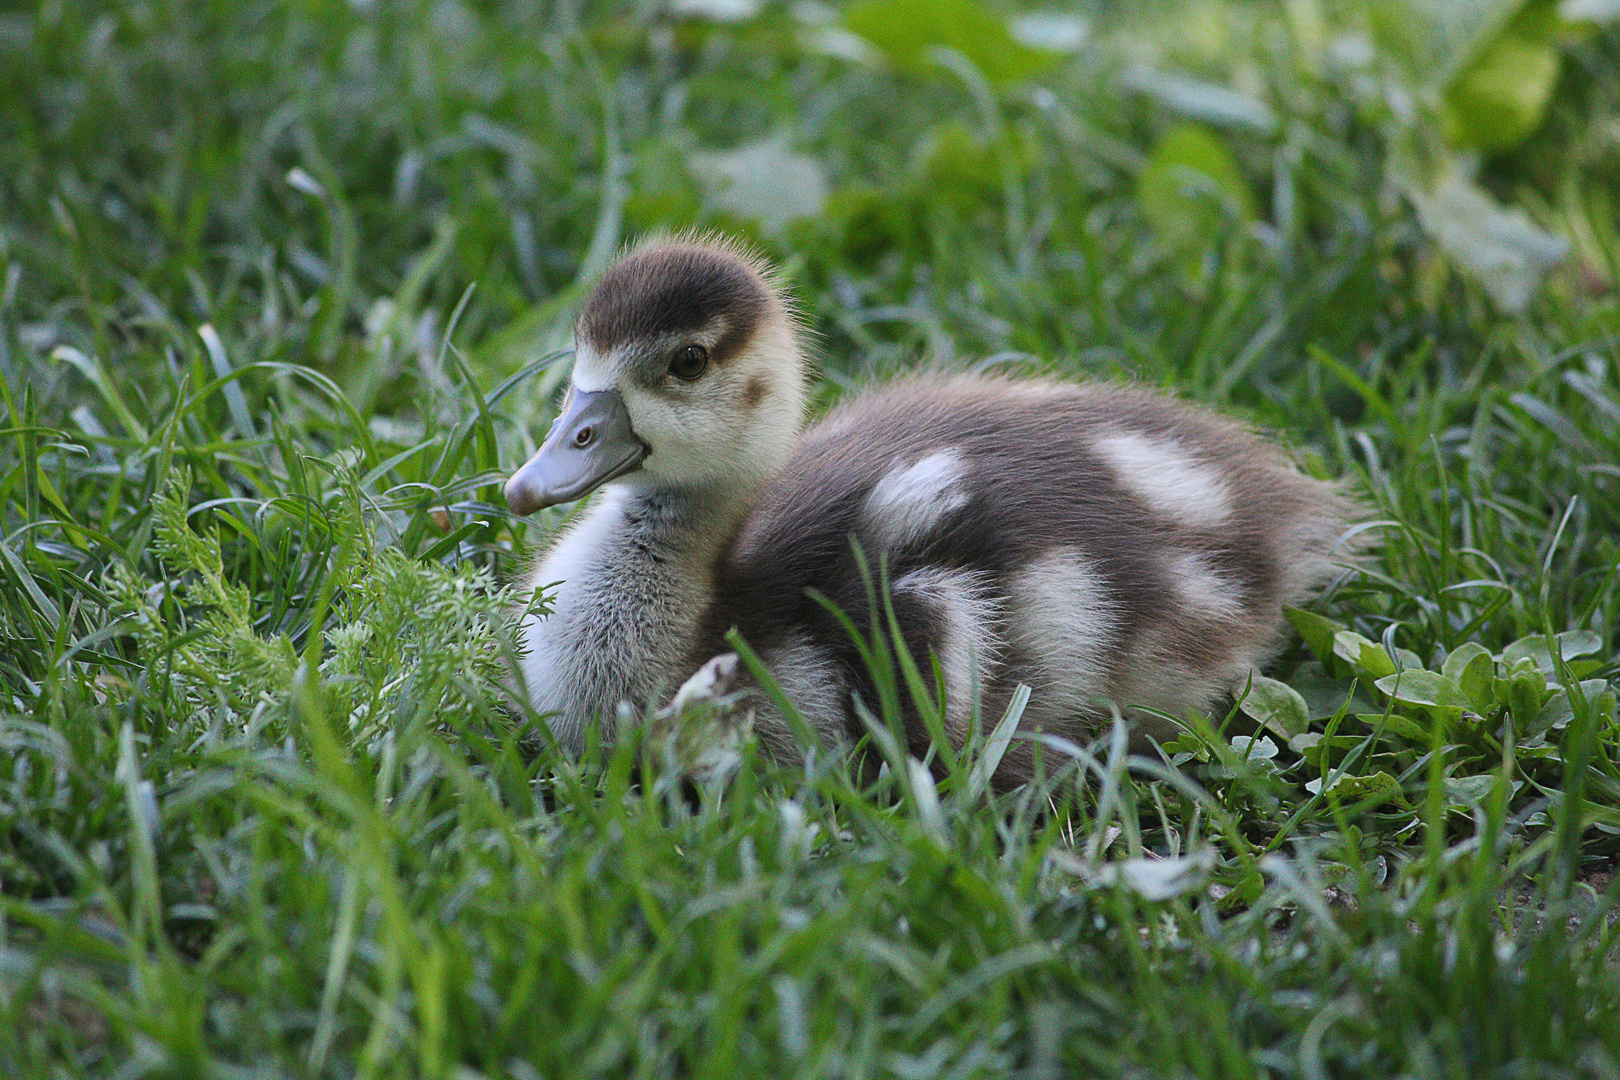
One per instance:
(635,577)
(684,523)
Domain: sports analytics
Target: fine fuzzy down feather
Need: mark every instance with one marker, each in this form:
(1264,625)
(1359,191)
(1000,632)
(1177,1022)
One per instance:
(1098,543)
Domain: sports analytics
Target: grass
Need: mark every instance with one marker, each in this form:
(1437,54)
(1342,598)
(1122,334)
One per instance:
(281,289)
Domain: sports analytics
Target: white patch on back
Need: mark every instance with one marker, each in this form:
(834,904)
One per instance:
(967,645)
(1205,587)
(1063,620)
(810,678)
(1171,481)
(911,499)
(1155,676)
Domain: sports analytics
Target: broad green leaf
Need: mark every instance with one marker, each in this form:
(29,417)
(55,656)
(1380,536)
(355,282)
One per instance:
(1277,706)
(1189,744)
(1498,246)
(1315,630)
(1526,694)
(1363,654)
(1396,724)
(1254,753)
(1420,687)
(1434,38)
(1439,40)
(1500,100)
(1325,694)
(1605,817)
(1501,96)
(905,31)
(1571,643)
(1159,879)
(764,181)
(1190,187)
(1460,657)
(1252,749)
(1471,667)
(1314,746)
(1381,787)
(1556,712)
(1467,792)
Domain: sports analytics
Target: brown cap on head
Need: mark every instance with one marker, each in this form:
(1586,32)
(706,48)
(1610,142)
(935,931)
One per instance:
(671,287)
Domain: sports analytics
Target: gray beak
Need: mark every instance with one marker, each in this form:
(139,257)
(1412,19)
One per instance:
(591,443)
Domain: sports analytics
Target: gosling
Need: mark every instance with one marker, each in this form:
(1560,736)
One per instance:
(1096,543)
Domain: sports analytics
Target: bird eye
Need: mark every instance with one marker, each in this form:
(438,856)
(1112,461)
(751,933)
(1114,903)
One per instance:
(689,363)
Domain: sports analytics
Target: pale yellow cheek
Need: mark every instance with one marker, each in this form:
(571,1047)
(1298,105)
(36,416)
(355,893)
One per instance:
(679,425)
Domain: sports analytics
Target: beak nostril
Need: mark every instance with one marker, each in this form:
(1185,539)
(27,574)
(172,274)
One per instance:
(584,436)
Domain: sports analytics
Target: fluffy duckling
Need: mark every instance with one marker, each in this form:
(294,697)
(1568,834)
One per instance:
(1093,542)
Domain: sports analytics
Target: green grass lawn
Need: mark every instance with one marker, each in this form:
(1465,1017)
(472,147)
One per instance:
(283,294)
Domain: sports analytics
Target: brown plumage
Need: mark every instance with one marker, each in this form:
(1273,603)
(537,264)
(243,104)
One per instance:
(1097,543)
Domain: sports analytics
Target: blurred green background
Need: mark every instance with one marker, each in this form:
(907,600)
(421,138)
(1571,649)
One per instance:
(942,176)
(286,290)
